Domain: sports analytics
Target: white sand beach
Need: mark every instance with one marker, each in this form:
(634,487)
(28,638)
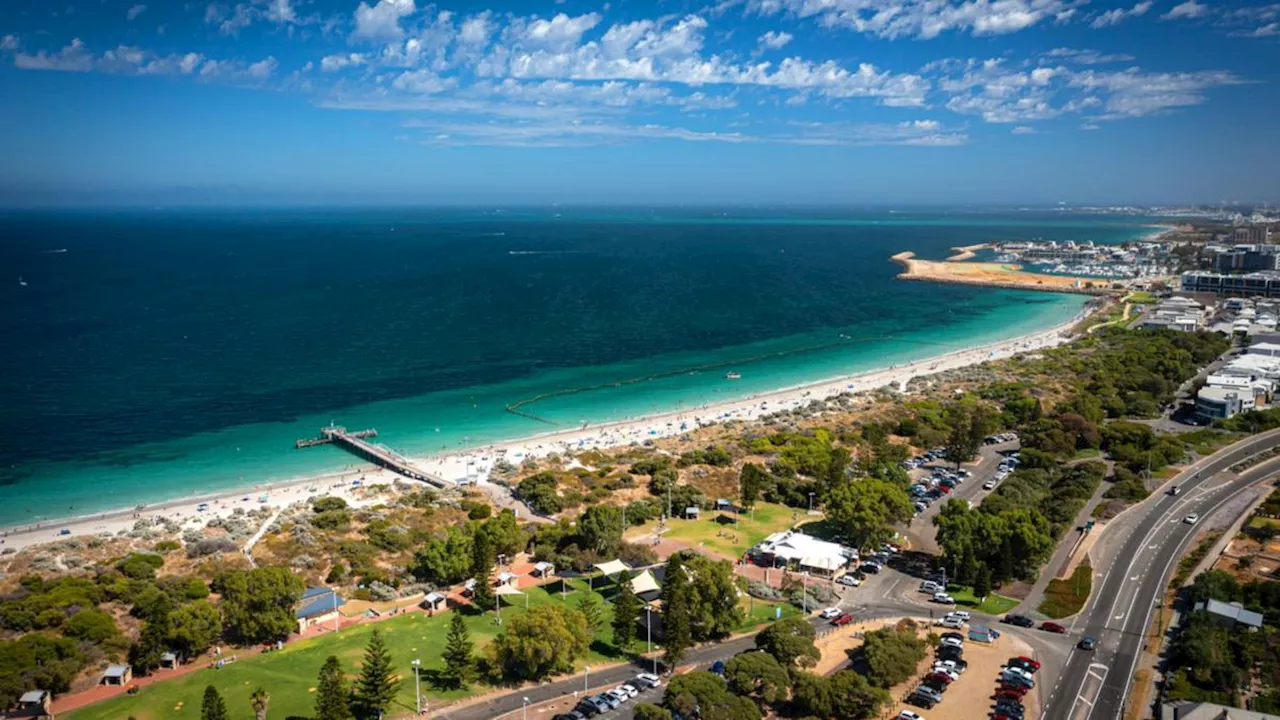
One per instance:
(476,463)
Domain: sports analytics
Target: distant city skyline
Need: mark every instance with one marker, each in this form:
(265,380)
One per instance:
(772,102)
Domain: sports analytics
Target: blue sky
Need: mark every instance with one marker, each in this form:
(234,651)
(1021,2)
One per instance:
(758,101)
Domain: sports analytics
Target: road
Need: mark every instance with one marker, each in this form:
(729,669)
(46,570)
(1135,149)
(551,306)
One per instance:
(1120,608)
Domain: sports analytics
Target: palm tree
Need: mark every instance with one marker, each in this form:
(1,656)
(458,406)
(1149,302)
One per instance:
(259,699)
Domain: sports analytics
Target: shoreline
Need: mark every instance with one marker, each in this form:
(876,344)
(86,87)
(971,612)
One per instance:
(997,275)
(476,462)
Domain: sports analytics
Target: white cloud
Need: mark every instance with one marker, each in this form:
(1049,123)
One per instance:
(922,19)
(281,11)
(559,34)
(422,82)
(773,40)
(334,63)
(1133,93)
(1086,57)
(128,60)
(1090,126)
(1023,130)
(382,21)
(72,58)
(1187,10)
(189,63)
(135,11)
(9,43)
(263,68)
(1119,15)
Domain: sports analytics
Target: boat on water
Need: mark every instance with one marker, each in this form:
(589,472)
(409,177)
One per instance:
(733,376)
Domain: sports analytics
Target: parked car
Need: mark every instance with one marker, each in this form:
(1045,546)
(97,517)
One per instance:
(958,666)
(1016,664)
(941,677)
(953,636)
(870,567)
(588,708)
(630,689)
(921,700)
(571,715)
(1010,694)
(1019,620)
(1010,709)
(1053,627)
(842,619)
(1029,661)
(990,484)
(931,587)
(611,699)
(908,715)
(951,642)
(829,613)
(601,702)
(949,653)
(850,579)
(951,622)
(962,614)
(944,598)
(648,680)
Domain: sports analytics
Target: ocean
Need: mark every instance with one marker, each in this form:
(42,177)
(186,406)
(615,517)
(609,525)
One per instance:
(149,355)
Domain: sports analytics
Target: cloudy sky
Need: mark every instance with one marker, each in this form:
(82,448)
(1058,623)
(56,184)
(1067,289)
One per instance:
(758,101)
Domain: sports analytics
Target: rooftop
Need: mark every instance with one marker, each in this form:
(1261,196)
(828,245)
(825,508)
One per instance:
(1233,611)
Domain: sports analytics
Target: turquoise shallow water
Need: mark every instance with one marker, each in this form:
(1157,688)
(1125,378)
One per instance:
(169,354)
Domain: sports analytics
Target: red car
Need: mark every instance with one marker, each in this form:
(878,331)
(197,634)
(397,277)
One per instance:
(842,619)
(1017,690)
(945,489)
(940,677)
(1010,694)
(1053,627)
(1035,664)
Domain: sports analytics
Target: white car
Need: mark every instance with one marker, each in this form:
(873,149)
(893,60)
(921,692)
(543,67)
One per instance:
(948,672)
(951,623)
(908,715)
(951,642)
(649,679)
(963,615)
(990,484)
(850,580)
(950,666)
(1191,519)
(630,690)
(619,694)
(829,613)
(944,598)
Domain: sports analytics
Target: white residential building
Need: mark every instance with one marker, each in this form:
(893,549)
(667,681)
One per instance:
(795,549)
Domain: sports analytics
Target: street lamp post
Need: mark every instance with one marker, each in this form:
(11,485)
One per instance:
(524,708)
(417,687)
(648,630)
(586,672)
(810,503)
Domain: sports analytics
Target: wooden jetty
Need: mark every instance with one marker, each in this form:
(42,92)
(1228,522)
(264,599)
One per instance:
(356,444)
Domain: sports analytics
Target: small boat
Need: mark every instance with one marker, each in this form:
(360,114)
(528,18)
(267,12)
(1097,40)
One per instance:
(22,282)
(733,376)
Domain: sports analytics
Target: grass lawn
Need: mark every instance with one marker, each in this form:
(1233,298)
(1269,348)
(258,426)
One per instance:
(726,538)
(289,675)
(1258,521)
(1086,453)
(1064,598)
(1142,297)
(993,604)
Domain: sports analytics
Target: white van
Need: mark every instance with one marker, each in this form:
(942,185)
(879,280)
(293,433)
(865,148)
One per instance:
(931,587)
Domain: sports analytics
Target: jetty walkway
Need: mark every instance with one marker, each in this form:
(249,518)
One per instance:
(357,444)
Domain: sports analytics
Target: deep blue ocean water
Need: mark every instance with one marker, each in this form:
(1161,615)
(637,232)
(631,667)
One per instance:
(155,354)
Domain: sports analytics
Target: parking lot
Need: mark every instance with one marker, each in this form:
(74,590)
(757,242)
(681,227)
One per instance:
(971,695)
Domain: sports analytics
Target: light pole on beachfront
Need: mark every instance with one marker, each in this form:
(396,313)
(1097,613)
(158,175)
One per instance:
(417,687)
(524,708)
(586,672)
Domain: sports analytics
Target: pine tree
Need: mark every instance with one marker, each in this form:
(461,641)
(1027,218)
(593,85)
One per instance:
(376,688)
(677,630)
(589,605)
(331,692)
(459,666)
(982,582)
(626,612)
(212,708)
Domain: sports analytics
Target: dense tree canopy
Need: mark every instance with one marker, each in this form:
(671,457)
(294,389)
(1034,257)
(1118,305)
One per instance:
(258,604)
(790,642)
(545,641)
(865,510)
